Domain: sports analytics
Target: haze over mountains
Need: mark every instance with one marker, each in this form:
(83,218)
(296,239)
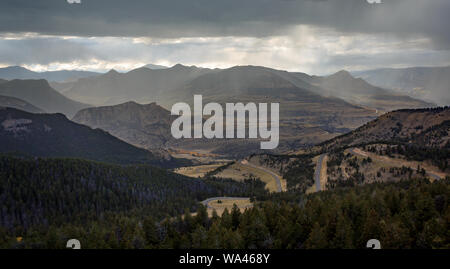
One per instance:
(428,83)
(358,91)
(7,101)
(165,86)
(143,85)
(424,83)
(39,93)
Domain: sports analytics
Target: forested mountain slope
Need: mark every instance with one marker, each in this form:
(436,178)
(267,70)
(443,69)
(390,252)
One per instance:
(38,193)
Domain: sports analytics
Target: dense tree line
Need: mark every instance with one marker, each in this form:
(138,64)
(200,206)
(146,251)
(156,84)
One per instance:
(53,192)
(407,214)
(299,174)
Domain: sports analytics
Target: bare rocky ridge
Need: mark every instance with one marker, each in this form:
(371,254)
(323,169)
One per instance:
(145,126)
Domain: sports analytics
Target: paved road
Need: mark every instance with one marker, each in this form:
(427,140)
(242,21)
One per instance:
(275,176)
(352,151)
(317,172)
(206,202)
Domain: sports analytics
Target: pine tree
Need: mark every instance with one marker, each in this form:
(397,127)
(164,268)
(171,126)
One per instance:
(151,232)
(317,238)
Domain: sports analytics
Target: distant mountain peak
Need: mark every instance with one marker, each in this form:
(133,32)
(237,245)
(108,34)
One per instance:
(19,72)
(16,67)
(131,103)
(343,74)
(112,72)
(181,67)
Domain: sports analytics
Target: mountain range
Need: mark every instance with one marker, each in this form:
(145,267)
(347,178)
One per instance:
(312,108)
(305,117)
(18,72)
(166,86)
(310,112)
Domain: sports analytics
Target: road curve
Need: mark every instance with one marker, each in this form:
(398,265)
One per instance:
(317,172)
(351,150)
(206,202)
(275,176)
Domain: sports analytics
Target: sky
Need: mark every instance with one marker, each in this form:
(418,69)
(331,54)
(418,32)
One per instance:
(312,36)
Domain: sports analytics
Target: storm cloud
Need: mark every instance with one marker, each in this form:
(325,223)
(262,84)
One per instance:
(194,18)
(289,34)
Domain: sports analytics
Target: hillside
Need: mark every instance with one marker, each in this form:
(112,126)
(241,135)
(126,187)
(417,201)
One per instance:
(427,83)
(7,101)
(40,94)
(420,127)
(145,126)
(53,135)
(18,72)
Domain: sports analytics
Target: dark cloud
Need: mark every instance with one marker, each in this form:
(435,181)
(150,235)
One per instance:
(183,18)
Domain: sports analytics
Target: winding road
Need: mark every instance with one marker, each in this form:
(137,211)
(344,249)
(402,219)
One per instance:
(317,172)
(275,176)
(207,201)
(244,162)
